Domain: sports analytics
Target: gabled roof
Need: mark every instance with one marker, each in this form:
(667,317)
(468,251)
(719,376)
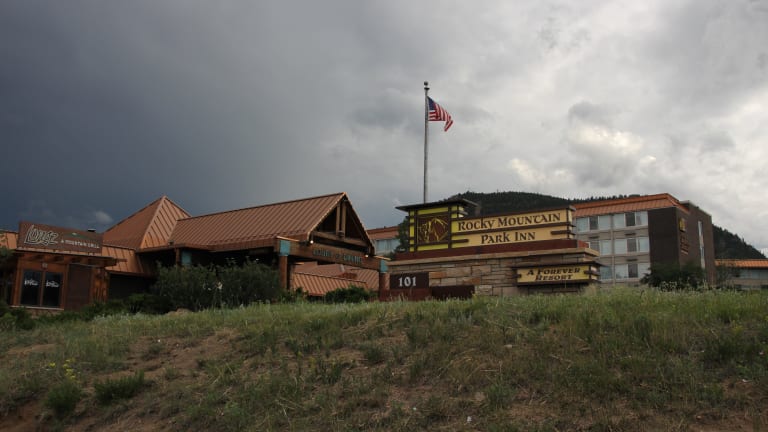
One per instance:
(623,205)
(149,227)
(259,226)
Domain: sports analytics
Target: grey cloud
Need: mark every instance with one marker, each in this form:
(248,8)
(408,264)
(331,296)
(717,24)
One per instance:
(105,106)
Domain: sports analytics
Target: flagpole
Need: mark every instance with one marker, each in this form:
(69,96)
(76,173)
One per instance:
(426,134)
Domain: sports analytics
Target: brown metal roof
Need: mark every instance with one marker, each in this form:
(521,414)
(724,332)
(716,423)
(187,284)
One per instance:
(623,205)
(369,277)
(147,228)
(383,233)
(743,263)
(128,262)
(318,286)
(8,239)
(256,226)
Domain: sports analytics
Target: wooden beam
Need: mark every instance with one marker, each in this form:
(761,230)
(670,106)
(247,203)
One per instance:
(335,237)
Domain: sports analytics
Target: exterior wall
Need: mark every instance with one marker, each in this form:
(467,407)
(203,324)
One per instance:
(78,284)
(750,279)
(751,274)
(492,274)
(674,237)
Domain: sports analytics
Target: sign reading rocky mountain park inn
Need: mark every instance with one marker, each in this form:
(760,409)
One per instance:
(445,228)
(513,253)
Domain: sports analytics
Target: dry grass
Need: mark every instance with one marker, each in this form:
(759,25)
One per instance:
(624,360)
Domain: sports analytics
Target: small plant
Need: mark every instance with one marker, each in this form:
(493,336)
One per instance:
(121,388)
(352,294)
(64,396)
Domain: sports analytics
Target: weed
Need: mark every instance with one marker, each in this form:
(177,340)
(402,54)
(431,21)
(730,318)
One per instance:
(63,397)
(121,388)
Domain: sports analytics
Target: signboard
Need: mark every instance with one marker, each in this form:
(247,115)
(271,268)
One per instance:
(518,236)
(409,280)
(556,274)
(447,227)
(331,254)
(512,221)
(41,236)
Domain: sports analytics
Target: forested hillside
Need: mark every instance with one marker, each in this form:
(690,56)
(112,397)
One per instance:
(727,244)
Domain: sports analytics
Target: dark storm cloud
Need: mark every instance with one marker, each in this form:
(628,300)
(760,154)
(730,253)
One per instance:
(105,106)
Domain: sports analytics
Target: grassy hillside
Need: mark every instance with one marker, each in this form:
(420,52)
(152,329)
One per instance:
(727,244)
(626,360)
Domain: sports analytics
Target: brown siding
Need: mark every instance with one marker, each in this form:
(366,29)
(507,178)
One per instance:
(78,287)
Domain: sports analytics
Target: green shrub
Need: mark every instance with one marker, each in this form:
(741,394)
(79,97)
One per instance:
(197,287)
(352,294)
(152,304)
(21,319)
(673,277)
(63,397)
(121,388)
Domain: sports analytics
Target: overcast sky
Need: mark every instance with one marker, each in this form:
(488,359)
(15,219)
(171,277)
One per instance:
(107,105)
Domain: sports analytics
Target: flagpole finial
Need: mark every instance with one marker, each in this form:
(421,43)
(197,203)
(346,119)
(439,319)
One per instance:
(426,83)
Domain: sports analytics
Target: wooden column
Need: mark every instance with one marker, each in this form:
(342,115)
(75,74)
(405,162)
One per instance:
(282,263)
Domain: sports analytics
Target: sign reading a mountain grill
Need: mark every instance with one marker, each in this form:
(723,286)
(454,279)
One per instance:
(39,236)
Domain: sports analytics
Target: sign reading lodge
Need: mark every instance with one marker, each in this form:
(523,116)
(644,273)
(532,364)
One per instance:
(56,238)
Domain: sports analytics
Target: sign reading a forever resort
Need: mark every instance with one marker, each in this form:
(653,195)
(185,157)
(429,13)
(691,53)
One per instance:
(39,236)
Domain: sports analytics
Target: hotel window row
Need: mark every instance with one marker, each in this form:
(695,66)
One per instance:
(622,246)
(607,222)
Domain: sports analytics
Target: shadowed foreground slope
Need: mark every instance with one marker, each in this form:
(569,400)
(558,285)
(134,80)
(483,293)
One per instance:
(626,360)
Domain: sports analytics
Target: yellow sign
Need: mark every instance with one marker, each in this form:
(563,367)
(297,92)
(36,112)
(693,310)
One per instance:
(445,225)
(569,273)
(513,221)
(509,236)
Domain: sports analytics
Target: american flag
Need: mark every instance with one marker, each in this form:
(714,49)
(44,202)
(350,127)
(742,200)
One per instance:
(437,113)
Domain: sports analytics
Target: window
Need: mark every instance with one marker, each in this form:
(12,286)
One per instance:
(620,271)
(605,273)
(30,287)
(582,225)
(593,223)
(701,245)
(631,270)
(52,290)
(633,219)
(602,246)
(41,289)
(631,245)
(602,222)
(385,246)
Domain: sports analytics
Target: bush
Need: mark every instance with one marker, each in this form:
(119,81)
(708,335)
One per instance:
(672,277)
(197,287)
(351,294)
(148,303)
(16,318)
(121,388)
(63,398)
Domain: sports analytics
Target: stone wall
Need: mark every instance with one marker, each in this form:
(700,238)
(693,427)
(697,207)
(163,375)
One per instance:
(493,274)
